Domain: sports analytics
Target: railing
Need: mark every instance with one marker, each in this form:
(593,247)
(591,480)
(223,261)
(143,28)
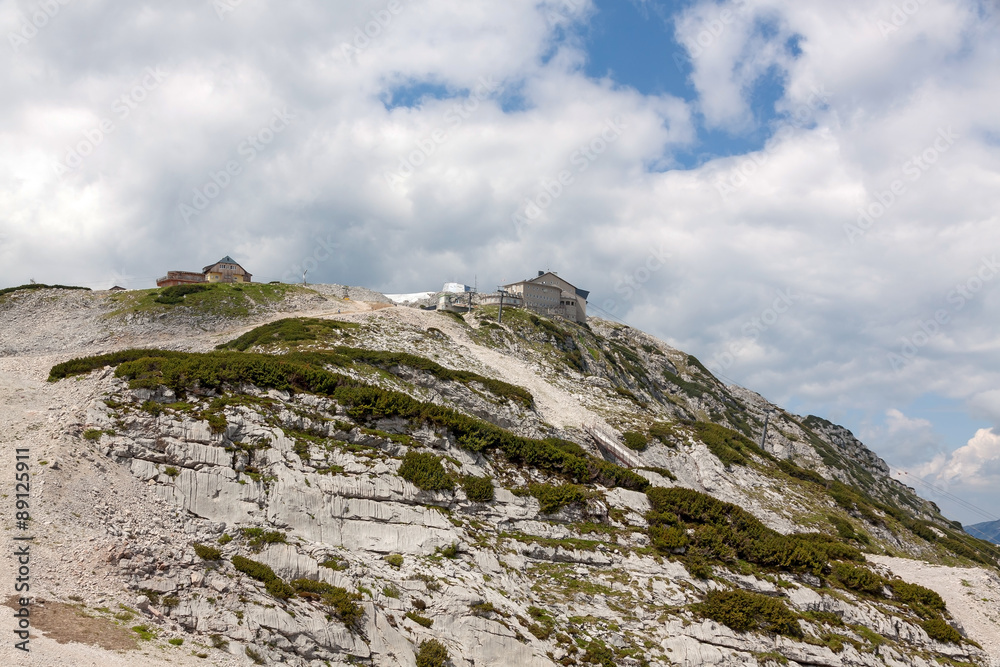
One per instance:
(607,442)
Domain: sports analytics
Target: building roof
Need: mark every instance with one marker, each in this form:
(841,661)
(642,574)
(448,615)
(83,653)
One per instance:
(225,260)
(583,294)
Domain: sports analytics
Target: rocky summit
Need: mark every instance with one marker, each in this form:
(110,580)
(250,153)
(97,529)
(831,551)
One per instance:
(265,474)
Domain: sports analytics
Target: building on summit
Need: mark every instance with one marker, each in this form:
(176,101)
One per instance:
(549,294)
(226,270)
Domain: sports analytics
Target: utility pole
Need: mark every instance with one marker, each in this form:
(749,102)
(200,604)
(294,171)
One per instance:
(503,292)
(763,436)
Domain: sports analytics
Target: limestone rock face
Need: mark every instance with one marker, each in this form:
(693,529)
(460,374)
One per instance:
(270,522)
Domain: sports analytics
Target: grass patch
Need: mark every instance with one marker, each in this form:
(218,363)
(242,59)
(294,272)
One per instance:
(289,331)
(37,286)
(229,300)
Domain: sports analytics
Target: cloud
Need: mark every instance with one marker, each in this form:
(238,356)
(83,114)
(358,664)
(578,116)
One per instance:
(976,465)
(905,442)
(851,123)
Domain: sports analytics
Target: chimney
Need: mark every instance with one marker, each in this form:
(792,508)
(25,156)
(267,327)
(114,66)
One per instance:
(541,273)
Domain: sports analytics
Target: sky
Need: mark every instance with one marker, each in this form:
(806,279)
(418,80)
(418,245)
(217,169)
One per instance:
(804,195)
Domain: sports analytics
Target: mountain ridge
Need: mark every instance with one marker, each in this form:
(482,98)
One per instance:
(356,442)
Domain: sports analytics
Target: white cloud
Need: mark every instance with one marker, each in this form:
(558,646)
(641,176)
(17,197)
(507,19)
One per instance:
(976,465)
(887,97)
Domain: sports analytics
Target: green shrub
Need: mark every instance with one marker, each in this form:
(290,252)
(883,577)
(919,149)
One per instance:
(258,537)
(424,470)
(745,611)
(432,653)
(252,653)
(798,472)
(921,529)
(724,532)
(171,471)
(395,560)
(176,641)
(554,497)
(478,489)
(36,286)
(418,619)
(668,538)
(176,293)
(93,434)
(859,579)
(923,601)
(307,372)
(334,563)
(289,330)
(342,603)
(598,653)
(145,632)
(225,539)
(261,572)
(939,630)
(729,446)
(635,440)
(664,432)
(206,552)
(843,527)
(170,601)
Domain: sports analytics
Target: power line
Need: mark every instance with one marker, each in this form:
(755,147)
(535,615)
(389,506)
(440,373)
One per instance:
(950,496)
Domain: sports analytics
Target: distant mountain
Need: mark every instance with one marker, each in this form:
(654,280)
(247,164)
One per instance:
(989,531)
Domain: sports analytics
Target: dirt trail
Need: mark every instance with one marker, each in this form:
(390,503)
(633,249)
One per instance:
(556,406)
(972,595)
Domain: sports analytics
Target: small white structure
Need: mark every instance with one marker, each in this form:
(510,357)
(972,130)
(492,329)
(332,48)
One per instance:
(456,288)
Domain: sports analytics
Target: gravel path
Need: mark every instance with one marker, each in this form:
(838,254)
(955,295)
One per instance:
(972,596)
